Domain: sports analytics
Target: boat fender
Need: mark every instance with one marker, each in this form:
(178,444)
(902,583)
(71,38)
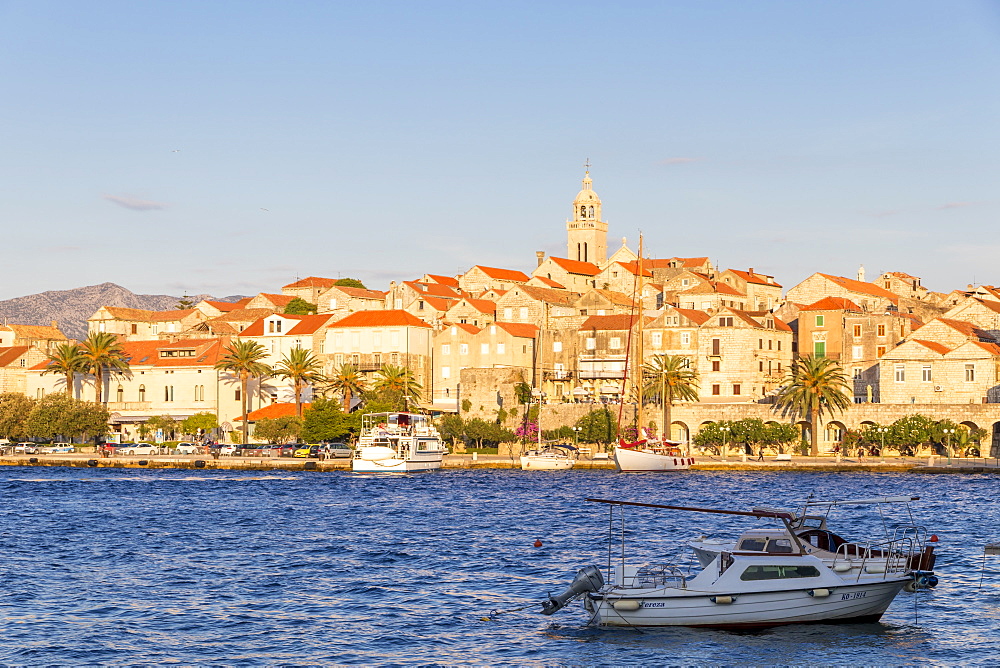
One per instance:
(842,567)
(675,461)
(91,463)
(875,568)
(722,600)
(910,587)
(626,605)
(819,593)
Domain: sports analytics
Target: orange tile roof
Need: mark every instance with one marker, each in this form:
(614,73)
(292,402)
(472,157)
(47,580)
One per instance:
(147,353)
(439,304)
(307,324)
(633,268)
(833,304)
(450,281)
(759,279)
(225,307)
(608,322)
(273,411)
(388,318)
(313,282)
(861,286)
(361,293)
(966,328)
(991,348)
(243,302)
(671,262)
(933,345)
(471,329)
(434,289)
(901,274)
(698,317)
(615,297)
(550,283)
(36,332)
(8,355)
(143,315)
(503,274)
(521,329)
(481,305)
(277,300)
(242,315)
(576,266)
(781,325)
(990,304)
(550,295)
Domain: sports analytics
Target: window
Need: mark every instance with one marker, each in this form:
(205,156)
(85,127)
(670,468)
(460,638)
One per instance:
(779,345)
(881,330)
(333,304)
(398,304)
(760,344)
(716,365)
(820,320)
(168,392)
(142,393)
(446,372)
(857,352)
(508,313)
(135,329)
(501,348)
(377,339)
(726,322)
(925,373)
(394,338)
(446,349)
(237,394)
(857,372)
(615,343)
(121,394)
(560,370)
(591,343)
(760,367)
(685,338)
(716,346)
(463,349)
(523,313)
(657,339)
(970,373)
(880,351)
(394,358)
(900,373)
(778,572)
(420,305)
(338,359)
(857,330)
(736,390)
(819,348)
(484,349)
(686,363)
(716,390)
(557,346)
(706,305)
(685,282)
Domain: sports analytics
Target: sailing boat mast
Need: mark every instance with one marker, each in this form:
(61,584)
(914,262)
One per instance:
(637,374)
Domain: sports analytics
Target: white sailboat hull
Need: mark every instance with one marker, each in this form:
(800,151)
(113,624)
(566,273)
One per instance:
(630,460)
(684,607)
(545,463)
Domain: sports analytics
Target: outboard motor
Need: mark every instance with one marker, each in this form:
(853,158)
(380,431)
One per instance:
(587,579)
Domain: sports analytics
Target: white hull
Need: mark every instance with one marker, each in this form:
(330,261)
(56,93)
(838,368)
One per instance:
(545,463)
(630,460)
(684,607)
(397,443)
(395,465)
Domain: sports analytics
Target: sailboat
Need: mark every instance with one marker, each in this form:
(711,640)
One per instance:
(648,453)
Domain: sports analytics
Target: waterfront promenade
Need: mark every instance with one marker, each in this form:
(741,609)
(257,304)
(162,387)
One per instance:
(468,461)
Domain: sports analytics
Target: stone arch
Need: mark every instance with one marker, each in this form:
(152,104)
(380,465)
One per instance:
(970,424)
(679,431)
(805,431)
(833,434)
(995,442)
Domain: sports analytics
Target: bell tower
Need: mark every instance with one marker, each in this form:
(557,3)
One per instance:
(586,233)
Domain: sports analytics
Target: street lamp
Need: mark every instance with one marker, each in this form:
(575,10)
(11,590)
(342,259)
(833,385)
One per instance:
(947,435)
(576,436)
(881,431)
(725,443)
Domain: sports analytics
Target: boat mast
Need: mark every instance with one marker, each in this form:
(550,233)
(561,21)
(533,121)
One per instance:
(639,350)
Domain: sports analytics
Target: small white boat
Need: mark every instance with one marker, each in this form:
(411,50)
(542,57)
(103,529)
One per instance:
(778,584)
(397,443)
(650,455)
(548,458)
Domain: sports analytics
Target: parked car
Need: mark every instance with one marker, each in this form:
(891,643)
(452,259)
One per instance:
(26,449)
(187,449)
(227,449)
(340,450)
(137,449)
(287,450)
(58,447)
(304,450)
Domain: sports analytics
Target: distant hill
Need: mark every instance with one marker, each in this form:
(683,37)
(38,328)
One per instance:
(71,308)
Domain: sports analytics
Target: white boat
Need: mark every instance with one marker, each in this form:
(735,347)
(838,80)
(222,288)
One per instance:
(397,443)
(842,555)
(650,455)
(781,583)
(548,458)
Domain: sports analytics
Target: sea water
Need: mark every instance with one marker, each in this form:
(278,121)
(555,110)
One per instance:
(119,567)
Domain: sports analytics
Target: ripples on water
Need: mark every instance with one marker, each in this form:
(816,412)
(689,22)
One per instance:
(124,567)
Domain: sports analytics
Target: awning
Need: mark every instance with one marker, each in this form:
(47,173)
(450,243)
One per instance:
(610,389)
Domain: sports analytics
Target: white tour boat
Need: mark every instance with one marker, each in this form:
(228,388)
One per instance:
(842,555)
(397,443)
(650,455)
(781,583)
(554,457)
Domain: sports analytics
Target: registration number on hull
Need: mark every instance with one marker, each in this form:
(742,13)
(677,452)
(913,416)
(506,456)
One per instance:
(853,595)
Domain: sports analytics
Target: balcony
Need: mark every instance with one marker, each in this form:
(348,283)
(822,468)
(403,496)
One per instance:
(119,406)
(369,366)
(557,375)
(593,374)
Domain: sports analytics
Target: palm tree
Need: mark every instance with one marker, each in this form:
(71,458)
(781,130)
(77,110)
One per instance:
(669,378)
(68,360)
(348,381)
(243,358)
(813,386)
(302,367)
(101,351)
(398,379)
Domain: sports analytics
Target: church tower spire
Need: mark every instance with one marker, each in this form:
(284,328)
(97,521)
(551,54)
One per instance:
(586,233)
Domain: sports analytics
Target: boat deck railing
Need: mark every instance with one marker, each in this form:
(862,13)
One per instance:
(877,556)
(650,576)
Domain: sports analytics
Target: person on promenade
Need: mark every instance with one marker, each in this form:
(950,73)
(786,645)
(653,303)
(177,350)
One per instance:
(760,454)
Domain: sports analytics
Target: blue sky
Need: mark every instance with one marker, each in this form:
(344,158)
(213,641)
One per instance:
(230,147)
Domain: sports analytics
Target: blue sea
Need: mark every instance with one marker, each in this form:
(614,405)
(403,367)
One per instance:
(125,567)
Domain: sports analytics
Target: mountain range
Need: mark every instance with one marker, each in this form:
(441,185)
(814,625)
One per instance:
(71,308)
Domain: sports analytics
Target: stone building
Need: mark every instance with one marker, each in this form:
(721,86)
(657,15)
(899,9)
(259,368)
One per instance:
(926,372)
(478,312)
(762,292)
(133,324)
(586,231)
(342,301)
(44,337)
(536,305)
(279,334)
(573,274)
(480,278)
(868,296)
(309,289)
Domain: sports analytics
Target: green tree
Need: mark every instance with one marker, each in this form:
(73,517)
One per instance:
(278,430)
(779,435)
(451,428)
(324,421)
(102,353)
(243,359)
(164,423)
(300,306)
(348,382)
(715,436)
(14,411)
(350,283)
(814,387)
(398,381)
(67,359)
(597,426)
(199,421)
(668,378)
(301,367)
(184,303)
(58,415)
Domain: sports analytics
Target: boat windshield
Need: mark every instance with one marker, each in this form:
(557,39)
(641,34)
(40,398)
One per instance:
(762,572)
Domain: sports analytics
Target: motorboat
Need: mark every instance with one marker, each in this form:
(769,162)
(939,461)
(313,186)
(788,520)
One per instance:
(397,443)
(773,583)
(551,457)
(809,524)
(650,455)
